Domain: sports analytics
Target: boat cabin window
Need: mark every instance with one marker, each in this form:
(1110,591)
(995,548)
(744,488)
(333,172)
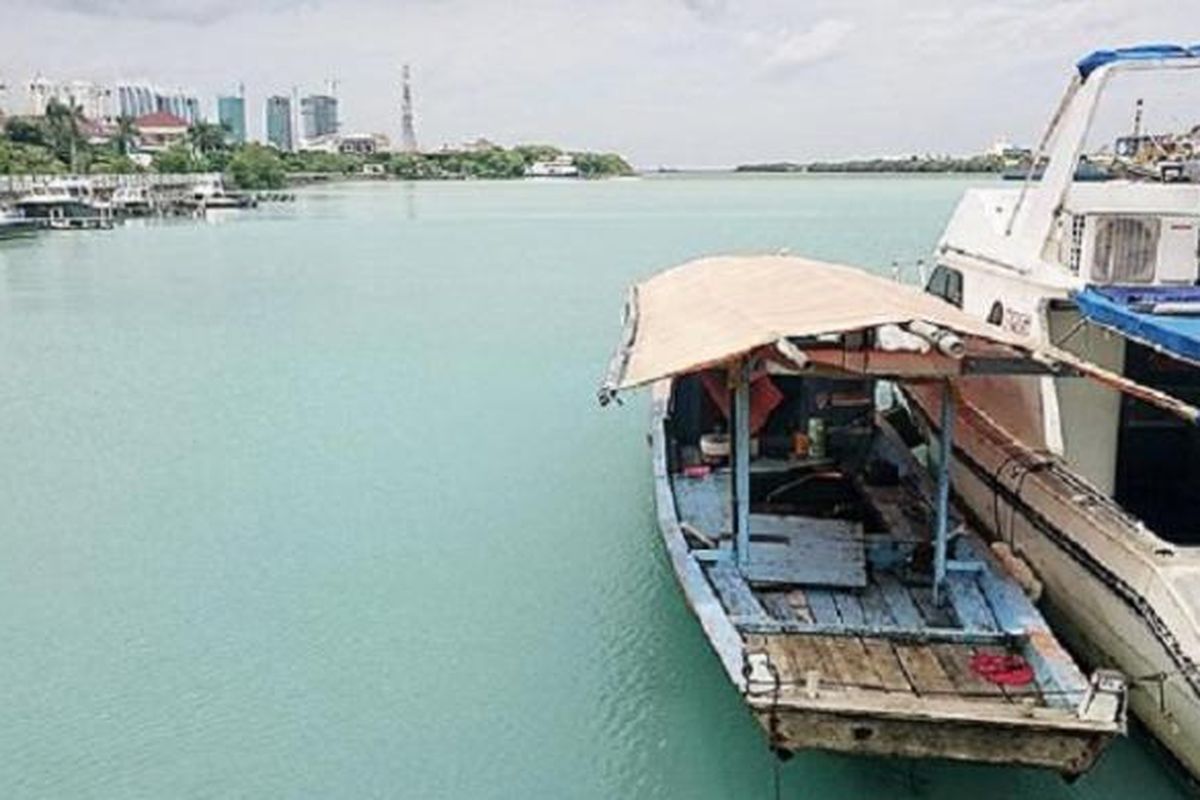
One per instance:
(1160,491)
(946,283)
(1125,249)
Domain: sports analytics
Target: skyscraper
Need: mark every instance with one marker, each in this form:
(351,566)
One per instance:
(139,99)
(406,114)
(231,113)
(319,113)
(279,122)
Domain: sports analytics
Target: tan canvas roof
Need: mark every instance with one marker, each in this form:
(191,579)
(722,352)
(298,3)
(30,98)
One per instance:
(712,310)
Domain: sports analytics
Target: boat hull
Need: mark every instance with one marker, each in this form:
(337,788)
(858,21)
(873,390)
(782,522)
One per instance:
(1070,753)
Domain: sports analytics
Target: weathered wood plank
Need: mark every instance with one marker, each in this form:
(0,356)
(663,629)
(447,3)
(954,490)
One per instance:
(854,662)
(737,598)
(931,613)
(899,602)
(799,602)
(956,661)
(849,608)
(800,550)
(875,609)
(822,607)
(777,605)
(970,606)
(886,664)
(704,502)
(832,657)
(923,669)
(893,633)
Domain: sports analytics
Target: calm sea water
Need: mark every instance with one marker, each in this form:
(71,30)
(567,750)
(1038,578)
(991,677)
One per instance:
(317,502)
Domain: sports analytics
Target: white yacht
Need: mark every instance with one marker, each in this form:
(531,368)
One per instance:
(1096,492)
(66,204)
(210,193)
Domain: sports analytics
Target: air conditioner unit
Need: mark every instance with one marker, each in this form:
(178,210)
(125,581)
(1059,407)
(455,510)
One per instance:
(1139,249)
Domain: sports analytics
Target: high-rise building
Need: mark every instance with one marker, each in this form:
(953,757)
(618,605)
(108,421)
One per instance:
(407,132)
(93,99)
(319,113)
(279,122)
(139,99)
(231,113)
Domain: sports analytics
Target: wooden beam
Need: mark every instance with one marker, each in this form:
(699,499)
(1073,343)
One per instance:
(945,453)
(760,623)
(740,380)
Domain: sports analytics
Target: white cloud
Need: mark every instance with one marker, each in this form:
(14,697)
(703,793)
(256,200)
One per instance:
(787,51)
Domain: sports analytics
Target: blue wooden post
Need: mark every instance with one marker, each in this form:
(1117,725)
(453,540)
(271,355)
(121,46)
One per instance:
(741,461)
(945,453)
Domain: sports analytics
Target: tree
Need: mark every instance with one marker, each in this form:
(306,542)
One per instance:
(24,131)
(208,137)
(256,166)
(64,132)
(176,158)
(537,152)
(600,165)
(18,158)
(125,136)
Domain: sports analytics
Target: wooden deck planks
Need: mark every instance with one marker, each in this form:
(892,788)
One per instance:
(822,607)
(810,551)
(777,605)
(899,602)
(969,603)
(923,669)
(735,594)
(799,603)
(933,615)
(956,661)
(849,608)
(874,606)
(892,676)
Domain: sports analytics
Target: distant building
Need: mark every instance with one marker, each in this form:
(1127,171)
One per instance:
(94,100)
(319,113)
(279,123)
(231,114)
(363,144)
(139,99)
(160,130)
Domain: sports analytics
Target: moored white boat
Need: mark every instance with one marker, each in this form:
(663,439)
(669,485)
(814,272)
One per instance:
(1096,492)
(66,204)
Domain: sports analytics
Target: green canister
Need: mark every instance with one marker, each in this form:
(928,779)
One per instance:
(816,437)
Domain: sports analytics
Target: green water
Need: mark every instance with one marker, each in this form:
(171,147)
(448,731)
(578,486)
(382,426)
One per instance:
(317,502)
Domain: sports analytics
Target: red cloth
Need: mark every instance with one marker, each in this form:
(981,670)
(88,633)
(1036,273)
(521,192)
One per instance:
(1006,670)
(765,396)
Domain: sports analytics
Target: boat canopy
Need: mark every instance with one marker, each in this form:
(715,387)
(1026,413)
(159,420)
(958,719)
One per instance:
(822,317)
(1166,318)
(1142,52)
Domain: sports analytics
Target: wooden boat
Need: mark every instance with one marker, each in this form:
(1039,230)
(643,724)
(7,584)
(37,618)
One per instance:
(852,606)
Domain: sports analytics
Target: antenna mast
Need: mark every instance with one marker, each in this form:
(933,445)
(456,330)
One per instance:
(407,134)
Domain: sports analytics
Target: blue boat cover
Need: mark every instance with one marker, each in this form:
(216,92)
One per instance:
(1128,310)
(1141,52)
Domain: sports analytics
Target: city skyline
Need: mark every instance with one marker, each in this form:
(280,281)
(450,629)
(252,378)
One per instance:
(680,82)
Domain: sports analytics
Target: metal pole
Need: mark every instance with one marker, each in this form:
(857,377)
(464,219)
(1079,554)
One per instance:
(741,461)
(945,453)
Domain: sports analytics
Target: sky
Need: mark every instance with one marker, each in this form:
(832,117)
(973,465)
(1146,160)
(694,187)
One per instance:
(682,83)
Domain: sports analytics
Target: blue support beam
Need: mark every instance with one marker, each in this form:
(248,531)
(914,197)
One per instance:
(945,453)
(740,379)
